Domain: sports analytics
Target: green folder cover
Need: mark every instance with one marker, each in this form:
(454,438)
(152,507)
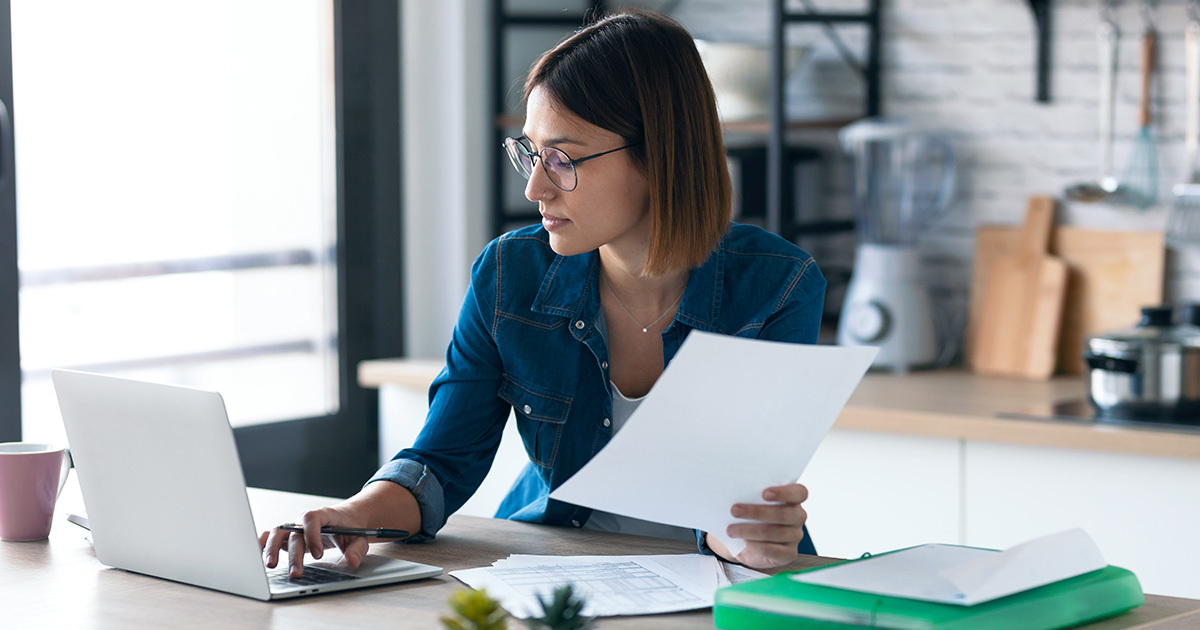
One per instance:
(781,603)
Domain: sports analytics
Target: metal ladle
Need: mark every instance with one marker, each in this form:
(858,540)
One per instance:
(1107,37)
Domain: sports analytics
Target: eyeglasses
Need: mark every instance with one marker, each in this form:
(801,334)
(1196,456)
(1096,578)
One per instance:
(559,166)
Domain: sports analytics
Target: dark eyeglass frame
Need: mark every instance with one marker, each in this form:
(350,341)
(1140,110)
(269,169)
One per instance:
(533,156)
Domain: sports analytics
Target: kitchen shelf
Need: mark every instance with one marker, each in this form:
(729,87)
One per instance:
(501,21)
(777,210)
(779,218)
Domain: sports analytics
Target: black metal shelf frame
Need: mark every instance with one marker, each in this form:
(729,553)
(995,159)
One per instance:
(501,20)
(777,183)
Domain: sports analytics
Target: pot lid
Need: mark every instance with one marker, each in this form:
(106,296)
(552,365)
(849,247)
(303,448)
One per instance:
(1154,329)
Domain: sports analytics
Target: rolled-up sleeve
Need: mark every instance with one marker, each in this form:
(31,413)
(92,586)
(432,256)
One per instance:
(423,484)
(455,449)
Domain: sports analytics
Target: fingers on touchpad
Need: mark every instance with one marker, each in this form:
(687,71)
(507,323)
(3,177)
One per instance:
(371,565)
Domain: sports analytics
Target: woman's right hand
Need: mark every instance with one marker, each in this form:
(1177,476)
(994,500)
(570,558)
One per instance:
(354,548)
(379,504)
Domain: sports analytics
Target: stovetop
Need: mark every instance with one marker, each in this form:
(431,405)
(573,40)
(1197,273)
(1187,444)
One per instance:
(1081,411)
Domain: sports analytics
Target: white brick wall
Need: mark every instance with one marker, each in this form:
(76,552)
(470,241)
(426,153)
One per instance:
(968,66)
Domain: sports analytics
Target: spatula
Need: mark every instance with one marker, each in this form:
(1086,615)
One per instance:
(1023,306)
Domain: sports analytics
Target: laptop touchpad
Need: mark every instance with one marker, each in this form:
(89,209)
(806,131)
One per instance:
(371,565)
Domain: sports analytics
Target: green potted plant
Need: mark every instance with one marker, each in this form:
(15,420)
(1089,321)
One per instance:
(475,610)
(562,611)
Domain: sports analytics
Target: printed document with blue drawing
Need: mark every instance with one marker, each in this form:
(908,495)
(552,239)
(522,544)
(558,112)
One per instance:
(609,585)
(727,418)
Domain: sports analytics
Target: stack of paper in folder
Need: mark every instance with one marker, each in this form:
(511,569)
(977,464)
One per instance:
(1051,582)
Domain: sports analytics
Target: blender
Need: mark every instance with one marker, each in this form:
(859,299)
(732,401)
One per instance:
(901,178)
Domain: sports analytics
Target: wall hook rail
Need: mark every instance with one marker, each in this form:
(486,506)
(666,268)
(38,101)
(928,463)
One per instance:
(1041,21)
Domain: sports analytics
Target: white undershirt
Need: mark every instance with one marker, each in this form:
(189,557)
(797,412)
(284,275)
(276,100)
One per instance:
(622,408)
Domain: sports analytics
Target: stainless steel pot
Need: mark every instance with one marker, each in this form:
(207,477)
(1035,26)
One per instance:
(1149,372)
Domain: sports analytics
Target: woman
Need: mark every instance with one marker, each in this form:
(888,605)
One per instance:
(571,322)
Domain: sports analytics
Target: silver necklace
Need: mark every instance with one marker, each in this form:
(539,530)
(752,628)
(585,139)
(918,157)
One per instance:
(645,328)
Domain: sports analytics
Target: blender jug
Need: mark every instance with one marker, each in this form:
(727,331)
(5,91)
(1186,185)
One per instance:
(901,178)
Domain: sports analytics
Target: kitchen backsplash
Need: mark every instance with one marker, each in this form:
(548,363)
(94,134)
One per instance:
(967,66)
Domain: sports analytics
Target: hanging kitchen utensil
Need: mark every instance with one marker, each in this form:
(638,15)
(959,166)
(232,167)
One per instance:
(1140,187)
(1183,224)
(1107,37)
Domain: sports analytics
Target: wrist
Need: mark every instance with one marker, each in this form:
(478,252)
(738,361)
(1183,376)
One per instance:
(385,504)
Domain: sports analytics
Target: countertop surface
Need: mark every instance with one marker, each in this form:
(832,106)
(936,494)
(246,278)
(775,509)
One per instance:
(946,403)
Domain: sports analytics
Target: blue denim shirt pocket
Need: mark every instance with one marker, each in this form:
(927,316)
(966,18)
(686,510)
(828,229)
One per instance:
(540,414)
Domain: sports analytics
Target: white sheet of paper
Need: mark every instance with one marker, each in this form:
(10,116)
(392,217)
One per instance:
(704,573)
(610,585)
(963,575)
(728,418)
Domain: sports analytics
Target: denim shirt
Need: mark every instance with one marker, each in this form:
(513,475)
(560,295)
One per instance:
(526,340)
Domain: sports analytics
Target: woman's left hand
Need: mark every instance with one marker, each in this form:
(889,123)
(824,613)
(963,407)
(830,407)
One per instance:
(771,540)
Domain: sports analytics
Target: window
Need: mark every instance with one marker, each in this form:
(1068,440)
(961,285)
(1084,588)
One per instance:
(204,197)
(176,200)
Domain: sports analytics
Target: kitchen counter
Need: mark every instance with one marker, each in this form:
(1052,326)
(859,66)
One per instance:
(952,404)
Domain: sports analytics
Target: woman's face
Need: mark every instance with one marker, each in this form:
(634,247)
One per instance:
(610,204)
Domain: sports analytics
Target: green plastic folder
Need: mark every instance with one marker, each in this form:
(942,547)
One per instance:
(781,603)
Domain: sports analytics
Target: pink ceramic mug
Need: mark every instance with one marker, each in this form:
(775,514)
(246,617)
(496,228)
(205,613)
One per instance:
(31,478)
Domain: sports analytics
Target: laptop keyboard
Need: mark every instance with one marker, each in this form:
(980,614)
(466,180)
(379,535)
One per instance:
(312,575)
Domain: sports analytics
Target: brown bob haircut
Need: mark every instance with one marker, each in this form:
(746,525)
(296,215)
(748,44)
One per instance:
(638,74)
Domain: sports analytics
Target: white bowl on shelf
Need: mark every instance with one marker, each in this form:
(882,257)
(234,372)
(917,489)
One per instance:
(740,74)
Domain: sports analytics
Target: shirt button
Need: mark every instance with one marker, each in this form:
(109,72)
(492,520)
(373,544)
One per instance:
(579,324)
(607,422)
(604,365)
(575,523)
(527,409)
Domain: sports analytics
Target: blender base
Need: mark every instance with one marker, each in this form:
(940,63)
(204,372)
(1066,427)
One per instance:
(888,305)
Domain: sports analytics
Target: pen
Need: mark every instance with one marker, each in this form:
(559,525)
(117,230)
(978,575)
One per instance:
(379,532)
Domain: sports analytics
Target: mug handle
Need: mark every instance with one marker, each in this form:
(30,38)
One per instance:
(67,464)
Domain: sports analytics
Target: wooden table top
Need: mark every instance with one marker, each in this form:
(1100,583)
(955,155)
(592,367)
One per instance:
(59,583)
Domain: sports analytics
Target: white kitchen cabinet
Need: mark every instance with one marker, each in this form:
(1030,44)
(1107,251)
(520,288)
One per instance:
(1143,512)
(878,492)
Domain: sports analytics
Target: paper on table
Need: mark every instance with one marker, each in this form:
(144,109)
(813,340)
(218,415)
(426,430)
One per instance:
(728,418)
(965,575)
(610,585)
(737,574)
(702,572)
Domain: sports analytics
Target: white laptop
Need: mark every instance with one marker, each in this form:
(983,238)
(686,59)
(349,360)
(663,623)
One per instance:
(165,495)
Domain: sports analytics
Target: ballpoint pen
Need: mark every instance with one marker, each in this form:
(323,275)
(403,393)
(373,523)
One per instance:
(378,532)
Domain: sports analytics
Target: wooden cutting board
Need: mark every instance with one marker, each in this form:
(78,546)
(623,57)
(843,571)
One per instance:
(1111,275)
(1023,303)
